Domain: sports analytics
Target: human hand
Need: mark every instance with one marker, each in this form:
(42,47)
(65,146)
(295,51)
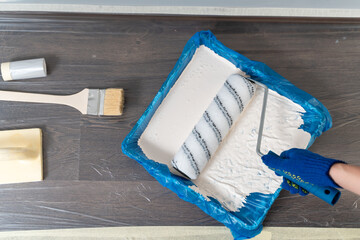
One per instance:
(302,165)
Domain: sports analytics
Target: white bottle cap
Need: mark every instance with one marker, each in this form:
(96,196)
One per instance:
(33,68)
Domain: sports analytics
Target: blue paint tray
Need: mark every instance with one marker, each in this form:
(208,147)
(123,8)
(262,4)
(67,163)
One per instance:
(247,222)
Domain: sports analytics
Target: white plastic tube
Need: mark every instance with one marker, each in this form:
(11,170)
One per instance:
(33,68)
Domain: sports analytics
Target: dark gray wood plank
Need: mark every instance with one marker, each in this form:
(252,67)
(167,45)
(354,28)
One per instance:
(101,155)
(94,204)
(89,182)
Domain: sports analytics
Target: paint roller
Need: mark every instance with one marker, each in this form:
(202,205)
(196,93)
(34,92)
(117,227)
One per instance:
(216,122)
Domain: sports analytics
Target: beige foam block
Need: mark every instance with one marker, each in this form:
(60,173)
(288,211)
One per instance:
(21,158)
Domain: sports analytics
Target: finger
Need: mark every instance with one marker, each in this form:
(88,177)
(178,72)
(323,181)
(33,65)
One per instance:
(292,153)
(286,184)
(303,192)
(286,154)
(294,188)
(301,153)
(271,160)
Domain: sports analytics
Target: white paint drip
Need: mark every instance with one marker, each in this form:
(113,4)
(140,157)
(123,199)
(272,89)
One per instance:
(235,171)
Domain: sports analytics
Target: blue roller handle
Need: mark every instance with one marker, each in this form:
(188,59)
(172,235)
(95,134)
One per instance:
(328,194)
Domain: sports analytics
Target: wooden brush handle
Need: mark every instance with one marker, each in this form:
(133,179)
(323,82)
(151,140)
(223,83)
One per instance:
(78,100)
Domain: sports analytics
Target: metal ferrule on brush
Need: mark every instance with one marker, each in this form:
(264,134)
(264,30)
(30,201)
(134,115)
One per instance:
(96,101)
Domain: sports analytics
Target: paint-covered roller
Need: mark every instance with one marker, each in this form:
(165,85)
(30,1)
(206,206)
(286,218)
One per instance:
(25,69)
(216,122)
(213,126)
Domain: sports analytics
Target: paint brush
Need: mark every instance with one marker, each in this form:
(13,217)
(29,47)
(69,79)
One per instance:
(101,102)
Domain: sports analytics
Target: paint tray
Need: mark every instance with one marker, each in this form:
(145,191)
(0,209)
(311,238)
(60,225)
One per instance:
(247,222)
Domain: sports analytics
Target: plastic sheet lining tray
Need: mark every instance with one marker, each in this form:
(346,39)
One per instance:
(247,222)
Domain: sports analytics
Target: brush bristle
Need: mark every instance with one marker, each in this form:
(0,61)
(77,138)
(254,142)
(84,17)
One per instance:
(114,102)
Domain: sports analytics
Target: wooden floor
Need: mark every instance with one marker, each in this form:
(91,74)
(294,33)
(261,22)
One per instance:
(89,182)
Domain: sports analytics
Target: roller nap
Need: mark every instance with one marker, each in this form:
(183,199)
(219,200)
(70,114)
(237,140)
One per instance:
(213,126)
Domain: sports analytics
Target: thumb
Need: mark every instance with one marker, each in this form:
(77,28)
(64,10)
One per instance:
(272,160)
